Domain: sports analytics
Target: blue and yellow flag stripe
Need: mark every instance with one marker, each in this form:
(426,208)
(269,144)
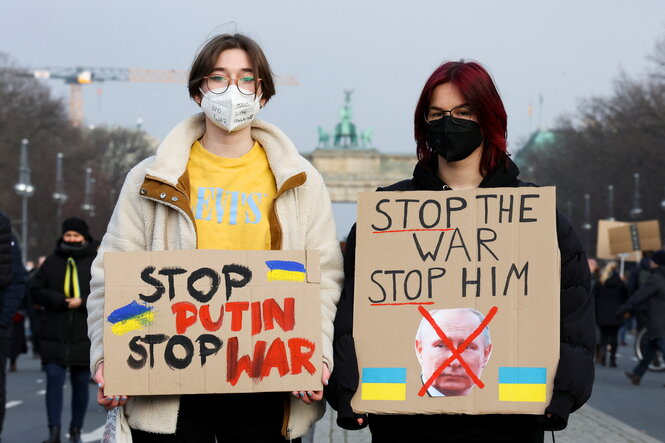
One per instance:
(284,270)
(383,384)
(130,317)
(522,384)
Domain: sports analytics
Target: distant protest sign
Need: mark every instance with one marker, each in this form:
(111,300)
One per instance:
(211,321)
(456,301)
(619,239)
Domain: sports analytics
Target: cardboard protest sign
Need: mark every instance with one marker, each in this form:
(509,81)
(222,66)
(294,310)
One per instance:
(456,301)
(619,237)
(603,242)
(630,237)
(211,321)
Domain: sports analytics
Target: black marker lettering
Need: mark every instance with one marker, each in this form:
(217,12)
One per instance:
(200,296)
(466,282)
(170,357)
(383,291)
(482,241)
(422,214)
(242,271)
(486,206)
(524,272)
(524,209)
(388,219)
(406,284)
(204,350)
(159,287)
(406,202)
(139,349)
(425,255)
(170,273)
(508,209)
(450,208)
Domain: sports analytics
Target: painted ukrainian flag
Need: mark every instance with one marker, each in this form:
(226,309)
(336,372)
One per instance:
(284,270)
(130,318)
(522,384)
(383,384)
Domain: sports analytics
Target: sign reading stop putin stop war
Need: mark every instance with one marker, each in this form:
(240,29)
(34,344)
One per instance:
(206,321)
(456,301)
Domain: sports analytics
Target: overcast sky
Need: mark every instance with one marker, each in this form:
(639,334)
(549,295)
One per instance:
(383,50)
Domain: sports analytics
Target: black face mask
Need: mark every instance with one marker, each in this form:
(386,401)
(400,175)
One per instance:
(72,245)
(454,140)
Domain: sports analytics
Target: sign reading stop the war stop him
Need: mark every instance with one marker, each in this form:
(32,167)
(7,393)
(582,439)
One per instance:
(211,321)
(456,301)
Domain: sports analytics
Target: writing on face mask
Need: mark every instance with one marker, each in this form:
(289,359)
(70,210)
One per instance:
(231,110)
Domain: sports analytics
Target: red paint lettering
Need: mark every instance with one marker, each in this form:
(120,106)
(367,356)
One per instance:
(256,318)
(275,358)
(235,366)
(206,321)
(285,318)
(236,308)
(300,359)
(182,320)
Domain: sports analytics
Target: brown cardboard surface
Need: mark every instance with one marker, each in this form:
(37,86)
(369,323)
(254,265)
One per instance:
(612,242)
(603,242)
(647,237)
(413,252)
(254,336)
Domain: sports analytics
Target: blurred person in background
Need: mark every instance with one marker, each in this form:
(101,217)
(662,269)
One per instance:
(609,293)
(637,277)
(594,269)
(61,286)
(35,311)
(651,292)
(12,290)
(17,341)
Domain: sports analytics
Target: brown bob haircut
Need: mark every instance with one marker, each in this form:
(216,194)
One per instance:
(204,62)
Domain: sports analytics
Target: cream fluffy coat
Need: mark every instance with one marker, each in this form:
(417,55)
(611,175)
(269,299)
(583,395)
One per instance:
(143,224)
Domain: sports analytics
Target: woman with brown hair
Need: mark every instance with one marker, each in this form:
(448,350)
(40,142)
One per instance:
(223,180)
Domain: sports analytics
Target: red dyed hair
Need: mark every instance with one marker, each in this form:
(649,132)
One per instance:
(479,91)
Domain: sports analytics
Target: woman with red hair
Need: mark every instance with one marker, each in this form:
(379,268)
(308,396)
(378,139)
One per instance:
(460,132)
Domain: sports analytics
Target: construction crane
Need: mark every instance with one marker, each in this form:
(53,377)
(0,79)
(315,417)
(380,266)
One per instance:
(78,76)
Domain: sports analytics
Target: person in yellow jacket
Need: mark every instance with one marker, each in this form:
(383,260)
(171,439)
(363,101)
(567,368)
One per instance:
(223,180)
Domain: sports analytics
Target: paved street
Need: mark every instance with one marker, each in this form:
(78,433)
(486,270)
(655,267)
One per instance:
(640,406)
(25,420)
(618,412)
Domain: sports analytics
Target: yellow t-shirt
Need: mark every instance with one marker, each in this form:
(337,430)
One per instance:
(231,198)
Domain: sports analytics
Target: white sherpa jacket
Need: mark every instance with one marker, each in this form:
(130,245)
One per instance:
(153,214)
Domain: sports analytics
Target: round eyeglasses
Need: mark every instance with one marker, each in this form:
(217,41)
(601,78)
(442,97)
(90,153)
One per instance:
(459,114)
(219,83)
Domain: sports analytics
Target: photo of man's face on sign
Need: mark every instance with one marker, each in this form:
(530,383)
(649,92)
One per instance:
(432,350)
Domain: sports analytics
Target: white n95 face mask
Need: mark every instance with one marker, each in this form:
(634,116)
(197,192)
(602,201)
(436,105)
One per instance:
(230,110)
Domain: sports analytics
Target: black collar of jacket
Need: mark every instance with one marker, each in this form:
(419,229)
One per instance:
(90,248)
(504,176)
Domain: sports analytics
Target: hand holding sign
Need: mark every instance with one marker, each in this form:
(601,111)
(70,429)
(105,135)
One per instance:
(311,396)
(107,402)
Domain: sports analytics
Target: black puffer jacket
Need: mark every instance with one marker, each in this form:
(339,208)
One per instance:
(64,337)
(575,372)
(5,251)
(609,296)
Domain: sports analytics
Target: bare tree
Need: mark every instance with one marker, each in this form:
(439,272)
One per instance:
(27,110)
(604,143)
